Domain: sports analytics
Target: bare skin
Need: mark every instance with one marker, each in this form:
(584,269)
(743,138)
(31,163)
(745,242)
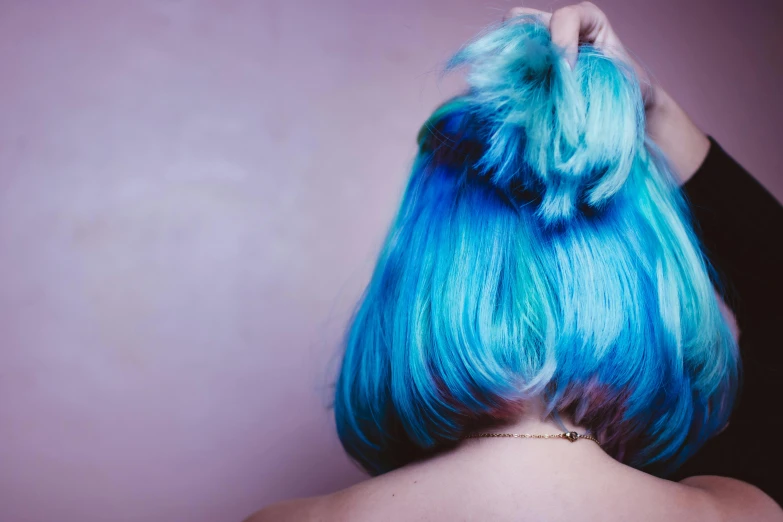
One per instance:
(529,480)
(553,480)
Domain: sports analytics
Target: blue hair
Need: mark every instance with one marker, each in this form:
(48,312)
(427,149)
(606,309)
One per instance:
(542,250)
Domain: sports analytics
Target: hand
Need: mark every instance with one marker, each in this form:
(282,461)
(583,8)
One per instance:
(586,23)
(667,124)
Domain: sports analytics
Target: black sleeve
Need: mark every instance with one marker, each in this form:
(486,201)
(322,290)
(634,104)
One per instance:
(741,227)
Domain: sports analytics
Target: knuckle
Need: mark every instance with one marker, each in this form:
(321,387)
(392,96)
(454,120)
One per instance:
(590,6)
(566,11)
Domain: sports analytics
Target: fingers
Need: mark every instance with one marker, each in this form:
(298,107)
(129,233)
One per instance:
(585,22)
(571,24)
(564,28)
(575,23)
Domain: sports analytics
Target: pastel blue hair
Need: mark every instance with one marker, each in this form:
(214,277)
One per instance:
(542,250)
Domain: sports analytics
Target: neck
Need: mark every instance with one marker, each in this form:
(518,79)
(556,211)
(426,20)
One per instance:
(533,421)
(538,457)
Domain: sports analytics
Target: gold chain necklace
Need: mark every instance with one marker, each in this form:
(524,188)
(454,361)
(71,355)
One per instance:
(568,435)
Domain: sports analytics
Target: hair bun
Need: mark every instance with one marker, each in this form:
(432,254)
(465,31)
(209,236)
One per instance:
(568,135)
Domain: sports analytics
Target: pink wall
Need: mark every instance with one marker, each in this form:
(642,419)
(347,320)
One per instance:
(191,196)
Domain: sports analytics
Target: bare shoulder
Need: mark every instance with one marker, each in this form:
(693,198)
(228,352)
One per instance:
(299,510)
(416,492)
(736,500)
(378,498)
(341,506)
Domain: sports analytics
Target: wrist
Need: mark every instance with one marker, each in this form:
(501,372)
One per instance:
(676,134)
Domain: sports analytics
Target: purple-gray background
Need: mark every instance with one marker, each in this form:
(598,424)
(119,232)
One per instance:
(191,197)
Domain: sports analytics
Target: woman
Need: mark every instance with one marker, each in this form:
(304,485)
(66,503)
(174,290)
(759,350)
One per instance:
(436,427)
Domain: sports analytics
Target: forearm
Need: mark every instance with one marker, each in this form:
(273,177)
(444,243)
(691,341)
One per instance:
(740,224)
(675,133)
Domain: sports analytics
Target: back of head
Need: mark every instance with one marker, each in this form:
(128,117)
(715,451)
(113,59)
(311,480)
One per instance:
(542,250)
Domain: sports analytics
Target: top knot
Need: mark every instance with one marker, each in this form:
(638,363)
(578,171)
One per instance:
(569,136)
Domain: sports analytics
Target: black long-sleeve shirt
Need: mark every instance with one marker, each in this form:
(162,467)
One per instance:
(741,226)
